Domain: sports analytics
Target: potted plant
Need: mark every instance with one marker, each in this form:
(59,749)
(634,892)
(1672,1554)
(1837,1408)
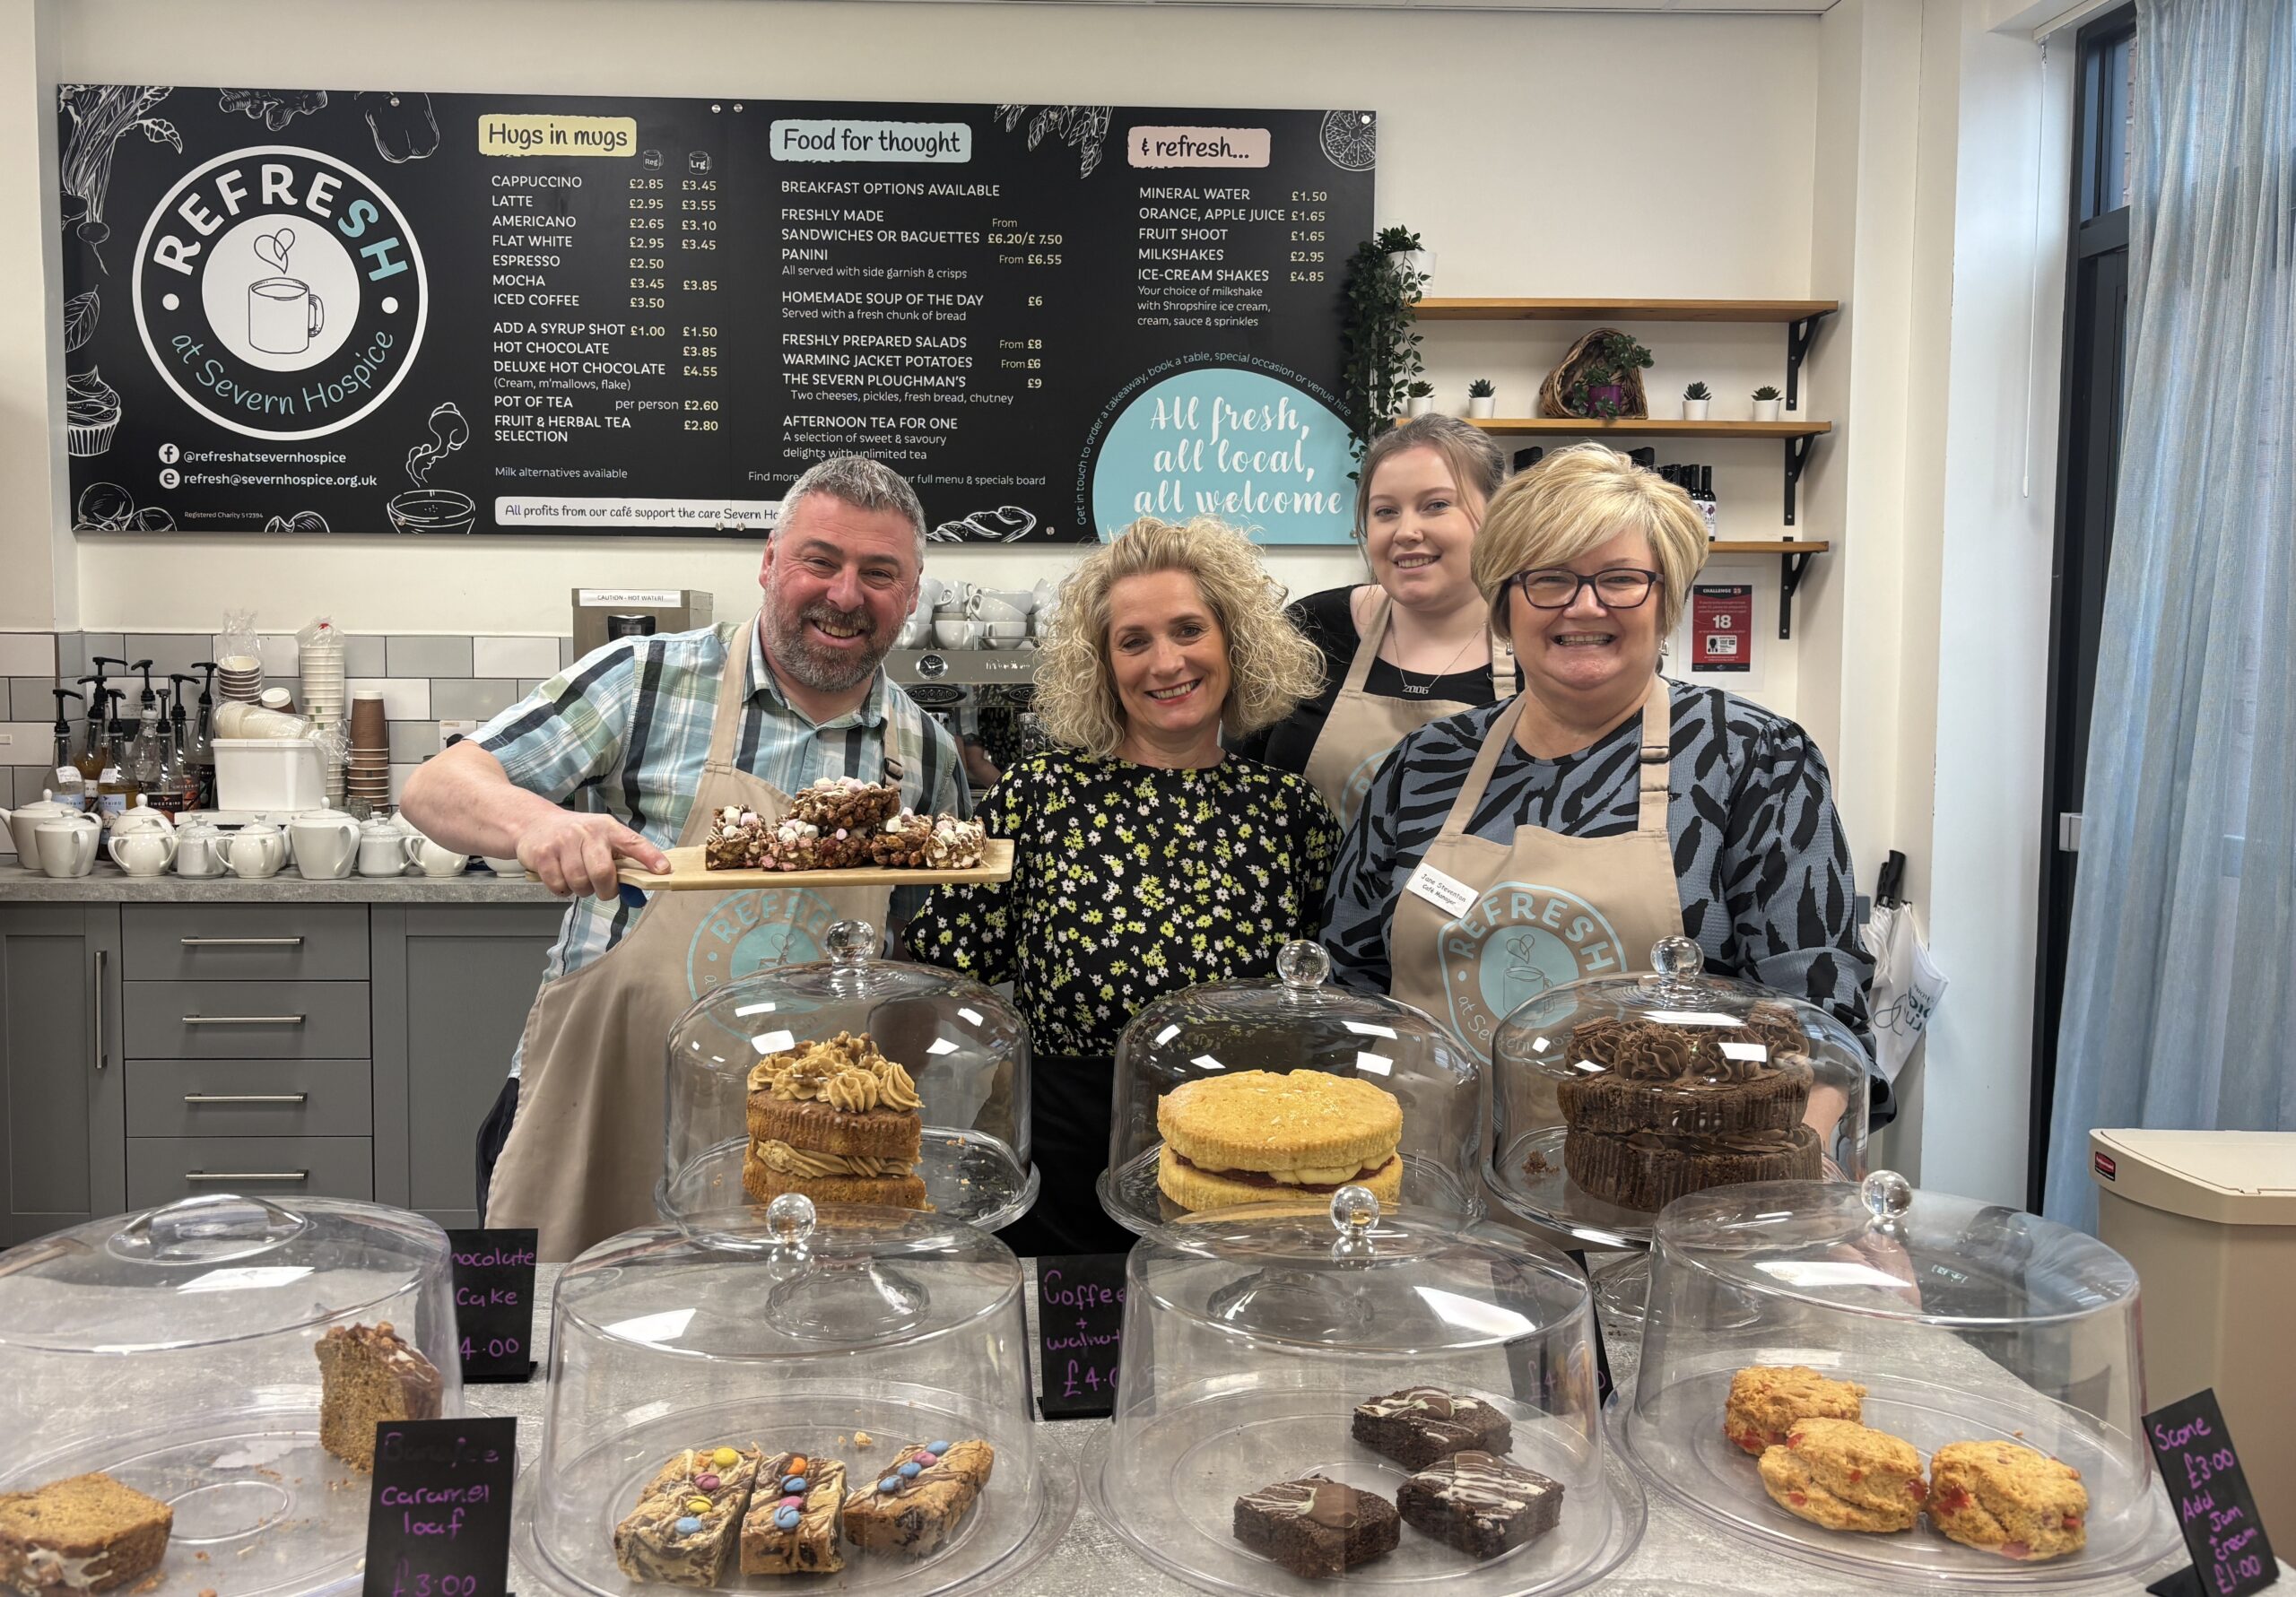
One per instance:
(1695,399)
(1419,399)
(1600,378)
(1410,255)
(1766,398)
(1378,337)
(1482,397)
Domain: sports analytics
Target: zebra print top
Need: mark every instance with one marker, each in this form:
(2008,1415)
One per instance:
(1763,866)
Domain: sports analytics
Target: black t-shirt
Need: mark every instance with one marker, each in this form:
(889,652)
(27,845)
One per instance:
(1328,620)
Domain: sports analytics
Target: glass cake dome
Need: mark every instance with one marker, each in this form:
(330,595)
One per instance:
(850,1080)
(179,1351)
(1313,1390)
(1963,1322)
(726,1411)
(1612,1096)
(1283,1089)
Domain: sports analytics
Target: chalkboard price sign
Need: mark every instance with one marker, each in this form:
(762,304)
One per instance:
(306,311)
(494,1303)
(2215,1509)
(439,1522)
(1080,1333)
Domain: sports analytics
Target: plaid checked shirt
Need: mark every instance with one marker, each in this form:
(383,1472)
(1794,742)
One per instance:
(625,732)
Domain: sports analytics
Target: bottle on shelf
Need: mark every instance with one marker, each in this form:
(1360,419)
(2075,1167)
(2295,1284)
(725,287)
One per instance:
(199,756)
(115,787)
(147,756)
(186,772)
(69,786)
(91,763)
(1704,498)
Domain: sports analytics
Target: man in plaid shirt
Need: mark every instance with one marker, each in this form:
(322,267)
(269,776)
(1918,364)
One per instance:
(603,762)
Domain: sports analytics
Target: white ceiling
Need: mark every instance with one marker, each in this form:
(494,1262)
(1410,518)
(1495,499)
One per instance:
(1645,7)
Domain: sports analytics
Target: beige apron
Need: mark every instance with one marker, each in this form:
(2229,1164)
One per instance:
(1539,911)
(585,1148)
(1363,728)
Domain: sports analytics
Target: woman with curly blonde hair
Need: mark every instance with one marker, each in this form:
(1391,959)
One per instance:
(1146,859)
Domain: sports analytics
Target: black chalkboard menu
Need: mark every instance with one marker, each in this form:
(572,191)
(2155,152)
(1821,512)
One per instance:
(314,311)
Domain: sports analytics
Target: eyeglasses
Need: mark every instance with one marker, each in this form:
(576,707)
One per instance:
(1555,590)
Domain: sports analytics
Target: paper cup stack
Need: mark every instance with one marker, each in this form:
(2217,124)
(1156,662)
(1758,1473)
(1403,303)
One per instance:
(326,703)
(239,677)
(368,776)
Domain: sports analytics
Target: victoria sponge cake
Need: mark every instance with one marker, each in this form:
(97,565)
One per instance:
(1255,1136)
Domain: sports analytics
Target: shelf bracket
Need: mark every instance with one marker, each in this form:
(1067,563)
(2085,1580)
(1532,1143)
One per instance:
(1797,455)
(1790,570)
(1799,335)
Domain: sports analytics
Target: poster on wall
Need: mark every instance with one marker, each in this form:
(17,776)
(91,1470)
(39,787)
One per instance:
(311,311)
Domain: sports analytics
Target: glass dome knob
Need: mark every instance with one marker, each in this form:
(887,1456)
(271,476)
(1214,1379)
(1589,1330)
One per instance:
(1887,1196)
(790,1218)
(1677,958)
(1354,1210)
(1302,965)
(851,942)
(207,1228)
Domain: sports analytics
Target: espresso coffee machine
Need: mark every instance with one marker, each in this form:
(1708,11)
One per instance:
(600,615)
(979,695)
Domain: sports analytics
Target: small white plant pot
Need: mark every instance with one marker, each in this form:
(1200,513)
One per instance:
(1420,407)
(1484,405)
(1766,410)
(1694,409)
(1422,261)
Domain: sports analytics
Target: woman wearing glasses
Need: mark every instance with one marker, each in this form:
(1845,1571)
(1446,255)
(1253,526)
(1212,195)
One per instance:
(1562,832)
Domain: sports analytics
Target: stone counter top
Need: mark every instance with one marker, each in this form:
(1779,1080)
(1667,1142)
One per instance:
(1680,1555)
(109,884)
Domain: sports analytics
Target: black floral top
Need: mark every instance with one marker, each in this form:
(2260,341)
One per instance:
(1130,881)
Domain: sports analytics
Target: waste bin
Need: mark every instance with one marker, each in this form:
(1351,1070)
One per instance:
(2208,1219)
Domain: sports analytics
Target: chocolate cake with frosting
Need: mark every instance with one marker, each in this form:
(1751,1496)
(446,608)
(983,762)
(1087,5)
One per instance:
(1649,1170)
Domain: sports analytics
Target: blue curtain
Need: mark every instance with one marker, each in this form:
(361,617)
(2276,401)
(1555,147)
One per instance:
(2180,993)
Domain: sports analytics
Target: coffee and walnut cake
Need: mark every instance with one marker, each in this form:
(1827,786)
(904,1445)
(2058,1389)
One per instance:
(837,1121)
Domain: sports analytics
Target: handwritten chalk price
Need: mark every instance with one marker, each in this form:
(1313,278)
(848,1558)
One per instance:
(1080,1333)
(439,1521)
(494,1297)
(2215,1509)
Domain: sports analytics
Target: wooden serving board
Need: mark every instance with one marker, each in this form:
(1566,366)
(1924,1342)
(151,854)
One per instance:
(688,874)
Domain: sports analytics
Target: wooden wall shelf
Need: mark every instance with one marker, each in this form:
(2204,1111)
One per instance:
(1579,427)
(1794,557)
(1625,310)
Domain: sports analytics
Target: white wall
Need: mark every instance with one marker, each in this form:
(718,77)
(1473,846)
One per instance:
(1506,140)
(38,575)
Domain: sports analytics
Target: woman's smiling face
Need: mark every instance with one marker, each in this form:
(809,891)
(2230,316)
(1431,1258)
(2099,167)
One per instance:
(1587,648)
(1419,532)
(1168,658)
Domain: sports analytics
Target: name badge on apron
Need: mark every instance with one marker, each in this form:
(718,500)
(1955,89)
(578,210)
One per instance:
(1446,893)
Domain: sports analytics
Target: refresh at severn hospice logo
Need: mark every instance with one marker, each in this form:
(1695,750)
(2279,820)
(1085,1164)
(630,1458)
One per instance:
(279,292)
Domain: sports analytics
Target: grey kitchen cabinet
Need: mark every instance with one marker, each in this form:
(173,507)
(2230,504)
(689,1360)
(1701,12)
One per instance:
(63,1079)
(452,986)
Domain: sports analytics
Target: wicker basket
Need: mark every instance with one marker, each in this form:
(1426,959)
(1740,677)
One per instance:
(1554,393)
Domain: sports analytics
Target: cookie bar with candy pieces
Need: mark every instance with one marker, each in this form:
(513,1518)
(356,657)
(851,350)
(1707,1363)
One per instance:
(684,1526)
(929,842)
(791,1527)
(916,1503)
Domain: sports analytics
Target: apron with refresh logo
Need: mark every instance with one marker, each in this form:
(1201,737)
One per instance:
(1483,927)
(585,1148)
(1363,728)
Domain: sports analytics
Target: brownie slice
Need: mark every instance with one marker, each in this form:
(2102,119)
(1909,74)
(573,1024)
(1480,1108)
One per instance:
(89,1533)
(1420,1424)
(1317,1527)
(1480,1504)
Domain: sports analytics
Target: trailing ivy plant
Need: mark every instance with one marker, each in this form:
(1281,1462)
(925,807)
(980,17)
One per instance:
(1378,335)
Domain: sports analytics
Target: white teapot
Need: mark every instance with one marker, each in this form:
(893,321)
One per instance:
(196,849)
(325,844)
(255,851)
(145,851)
(21,820)
(66,844)
(140,817)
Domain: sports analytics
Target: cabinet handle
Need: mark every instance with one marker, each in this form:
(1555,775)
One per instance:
(240,942)
(243,1019)
(103,964)
(247,1174)
(246,1098)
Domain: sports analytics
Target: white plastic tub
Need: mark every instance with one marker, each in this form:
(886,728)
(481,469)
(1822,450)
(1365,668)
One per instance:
(269,773)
